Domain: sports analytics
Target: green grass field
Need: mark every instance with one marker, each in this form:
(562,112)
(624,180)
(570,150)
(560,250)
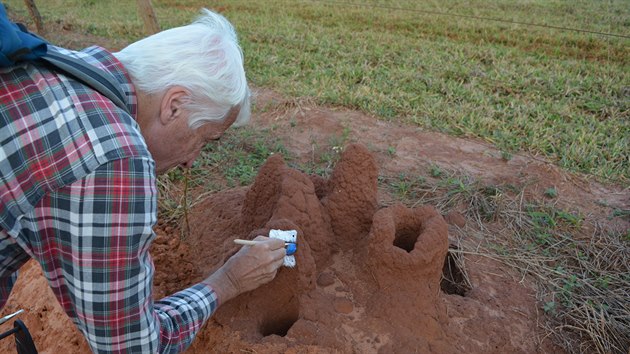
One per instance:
(560,94)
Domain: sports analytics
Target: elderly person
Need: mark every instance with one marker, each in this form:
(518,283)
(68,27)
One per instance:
(78,188)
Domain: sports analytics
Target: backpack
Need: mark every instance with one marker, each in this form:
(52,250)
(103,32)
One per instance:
(17,45)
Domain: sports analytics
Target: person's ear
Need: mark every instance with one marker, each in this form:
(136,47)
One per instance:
(172,104)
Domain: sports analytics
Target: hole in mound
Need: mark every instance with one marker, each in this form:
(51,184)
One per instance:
(454,278)
(280,322)
(406,238)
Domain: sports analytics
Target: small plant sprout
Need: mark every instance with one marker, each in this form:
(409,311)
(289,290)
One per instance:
(551,192)
(550,307)
(436,171)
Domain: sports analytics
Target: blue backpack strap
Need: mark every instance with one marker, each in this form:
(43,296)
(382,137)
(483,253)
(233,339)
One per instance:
(94,77)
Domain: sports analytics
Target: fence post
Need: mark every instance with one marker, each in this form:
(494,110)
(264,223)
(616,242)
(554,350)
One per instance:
(37,18)
(145,9)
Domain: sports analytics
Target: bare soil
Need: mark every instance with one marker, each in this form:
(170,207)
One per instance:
(368,274)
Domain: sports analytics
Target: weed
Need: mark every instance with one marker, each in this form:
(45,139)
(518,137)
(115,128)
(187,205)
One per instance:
(436,171)
(550,307)
(403,187)
(620,213)
(551,192)
(324,158)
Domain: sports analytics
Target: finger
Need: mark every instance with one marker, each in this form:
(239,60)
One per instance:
(279,254)
(277,264)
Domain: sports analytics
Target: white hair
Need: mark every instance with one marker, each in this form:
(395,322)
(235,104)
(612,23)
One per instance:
(204,57)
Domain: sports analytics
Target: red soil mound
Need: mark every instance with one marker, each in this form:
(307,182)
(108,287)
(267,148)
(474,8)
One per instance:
(366,280)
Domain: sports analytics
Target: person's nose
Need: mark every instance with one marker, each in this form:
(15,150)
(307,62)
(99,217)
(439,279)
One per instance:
(191,160)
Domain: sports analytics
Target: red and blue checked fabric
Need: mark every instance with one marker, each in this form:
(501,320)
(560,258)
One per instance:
(78,194)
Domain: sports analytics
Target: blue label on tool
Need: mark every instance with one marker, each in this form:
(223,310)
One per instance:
(291,248)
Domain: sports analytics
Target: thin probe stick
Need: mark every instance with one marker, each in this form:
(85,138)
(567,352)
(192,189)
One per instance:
(8,317)
(238,241)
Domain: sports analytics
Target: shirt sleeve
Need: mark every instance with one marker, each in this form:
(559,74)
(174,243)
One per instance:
(92,240)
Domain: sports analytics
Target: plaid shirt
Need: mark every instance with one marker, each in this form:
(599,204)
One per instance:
(78,194)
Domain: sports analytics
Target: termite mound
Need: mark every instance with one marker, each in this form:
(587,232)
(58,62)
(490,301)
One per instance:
(384,265)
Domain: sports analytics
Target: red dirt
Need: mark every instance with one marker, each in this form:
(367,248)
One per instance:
(367,278)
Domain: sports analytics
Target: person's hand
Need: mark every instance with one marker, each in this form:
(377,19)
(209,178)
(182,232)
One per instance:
(249,268)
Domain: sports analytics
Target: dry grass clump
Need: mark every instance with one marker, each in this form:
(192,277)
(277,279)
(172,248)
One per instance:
(583,278)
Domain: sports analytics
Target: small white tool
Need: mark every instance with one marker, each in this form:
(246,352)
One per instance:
(290,243)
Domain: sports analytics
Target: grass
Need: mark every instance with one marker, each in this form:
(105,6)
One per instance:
(230,162)
(562,95)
